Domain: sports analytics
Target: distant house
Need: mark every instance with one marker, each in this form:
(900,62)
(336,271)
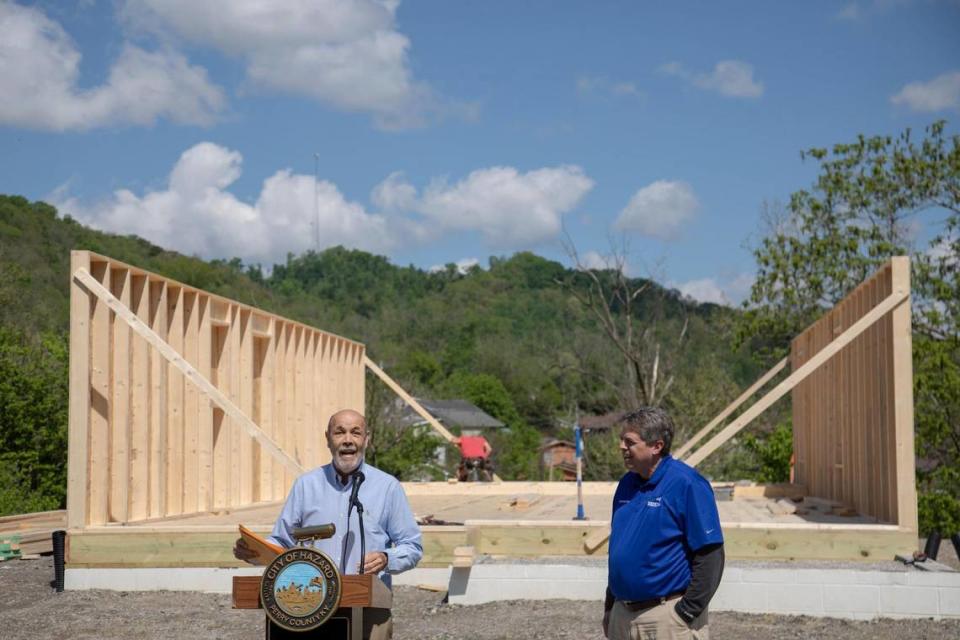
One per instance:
(465,416)
(470,419)
(559,459)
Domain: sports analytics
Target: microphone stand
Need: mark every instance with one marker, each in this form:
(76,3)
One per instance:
(363,541)
(355,502)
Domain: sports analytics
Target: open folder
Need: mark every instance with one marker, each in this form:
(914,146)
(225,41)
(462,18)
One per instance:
(266,551)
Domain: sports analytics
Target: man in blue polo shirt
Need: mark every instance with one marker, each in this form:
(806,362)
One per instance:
(666,547)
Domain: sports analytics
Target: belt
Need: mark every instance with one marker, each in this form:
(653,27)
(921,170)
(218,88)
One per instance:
(637,605)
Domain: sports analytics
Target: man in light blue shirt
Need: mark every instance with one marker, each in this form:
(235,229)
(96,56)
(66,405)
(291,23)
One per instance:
(322,496)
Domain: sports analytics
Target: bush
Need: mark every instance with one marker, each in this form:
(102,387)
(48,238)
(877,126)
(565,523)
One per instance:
(33,421)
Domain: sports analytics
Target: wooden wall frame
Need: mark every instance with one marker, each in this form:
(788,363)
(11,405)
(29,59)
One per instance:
(184,402)
(852,393)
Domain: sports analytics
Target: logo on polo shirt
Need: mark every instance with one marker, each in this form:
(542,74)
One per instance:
(655,502)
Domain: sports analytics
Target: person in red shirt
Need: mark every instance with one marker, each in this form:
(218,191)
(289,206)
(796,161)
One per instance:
(474,455)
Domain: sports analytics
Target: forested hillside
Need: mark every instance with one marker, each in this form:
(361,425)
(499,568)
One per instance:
(518,338)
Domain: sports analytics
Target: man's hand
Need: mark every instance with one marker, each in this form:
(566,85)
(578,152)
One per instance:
(374,562)
(606,624)
(242,552)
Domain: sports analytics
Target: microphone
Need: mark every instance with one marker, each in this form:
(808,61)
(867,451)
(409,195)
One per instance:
(358,479)
(317,532)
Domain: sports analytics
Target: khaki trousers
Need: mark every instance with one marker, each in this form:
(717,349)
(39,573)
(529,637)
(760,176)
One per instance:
(659,622)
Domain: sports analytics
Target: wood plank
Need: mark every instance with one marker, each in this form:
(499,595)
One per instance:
(175,408)
(530,539)
(158,403)
(185,369)
(140,405)
(299,339)
(205,469)
(120,402)
(906,489)
(235,471)
(99,440)
(220,368)
(78,432)
(262,406)
(811,365)
(733,406)
(321,401)
(289,398)
(329,384)
(247,480)
(191,404)
(280,474)
(311,442)
(824,544)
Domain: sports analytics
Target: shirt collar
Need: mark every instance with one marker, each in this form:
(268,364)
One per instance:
(333,477)
(654,480)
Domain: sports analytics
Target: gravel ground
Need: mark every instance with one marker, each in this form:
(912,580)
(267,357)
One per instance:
(31,610)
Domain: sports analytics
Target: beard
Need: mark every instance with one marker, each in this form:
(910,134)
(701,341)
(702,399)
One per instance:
(349,461)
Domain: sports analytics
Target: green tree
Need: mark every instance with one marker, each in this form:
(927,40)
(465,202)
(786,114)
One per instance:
(33,421)
(857,215)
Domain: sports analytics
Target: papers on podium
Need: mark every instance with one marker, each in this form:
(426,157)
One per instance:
(265,550)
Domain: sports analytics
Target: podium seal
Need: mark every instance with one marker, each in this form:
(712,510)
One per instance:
(300,589)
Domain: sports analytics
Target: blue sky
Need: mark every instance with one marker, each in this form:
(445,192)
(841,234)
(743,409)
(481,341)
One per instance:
(449,131)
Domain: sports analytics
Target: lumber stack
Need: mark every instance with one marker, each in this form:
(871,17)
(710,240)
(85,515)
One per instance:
(32,531)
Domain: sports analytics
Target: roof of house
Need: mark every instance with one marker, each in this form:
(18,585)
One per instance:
(557,443)
(456,413)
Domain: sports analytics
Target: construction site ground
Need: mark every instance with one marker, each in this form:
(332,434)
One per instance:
(30,609)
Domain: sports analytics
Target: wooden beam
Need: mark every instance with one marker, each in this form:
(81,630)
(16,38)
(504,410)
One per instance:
(79,407)
(896,298)
(433,422)
(906,488)
(229,408)
(777,368)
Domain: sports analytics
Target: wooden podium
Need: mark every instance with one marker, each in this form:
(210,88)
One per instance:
(361,594)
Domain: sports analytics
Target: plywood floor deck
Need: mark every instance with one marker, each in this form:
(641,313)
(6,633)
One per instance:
(511,501)
(515,519)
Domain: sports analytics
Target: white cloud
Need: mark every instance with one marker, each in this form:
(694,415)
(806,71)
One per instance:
(598,84)
(943,92)
(511,209)
(704,290)
(346,54)
(725,292)
(464,266)
(732,78)
(394,194)
(659,210)
(195,214)
(593,260)
(39,70)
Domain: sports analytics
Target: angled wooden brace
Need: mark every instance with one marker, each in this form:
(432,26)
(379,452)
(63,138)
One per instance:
(406,397)
(689,444)
(889,303)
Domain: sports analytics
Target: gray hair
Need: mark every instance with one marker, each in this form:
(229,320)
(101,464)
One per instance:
(651,424)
